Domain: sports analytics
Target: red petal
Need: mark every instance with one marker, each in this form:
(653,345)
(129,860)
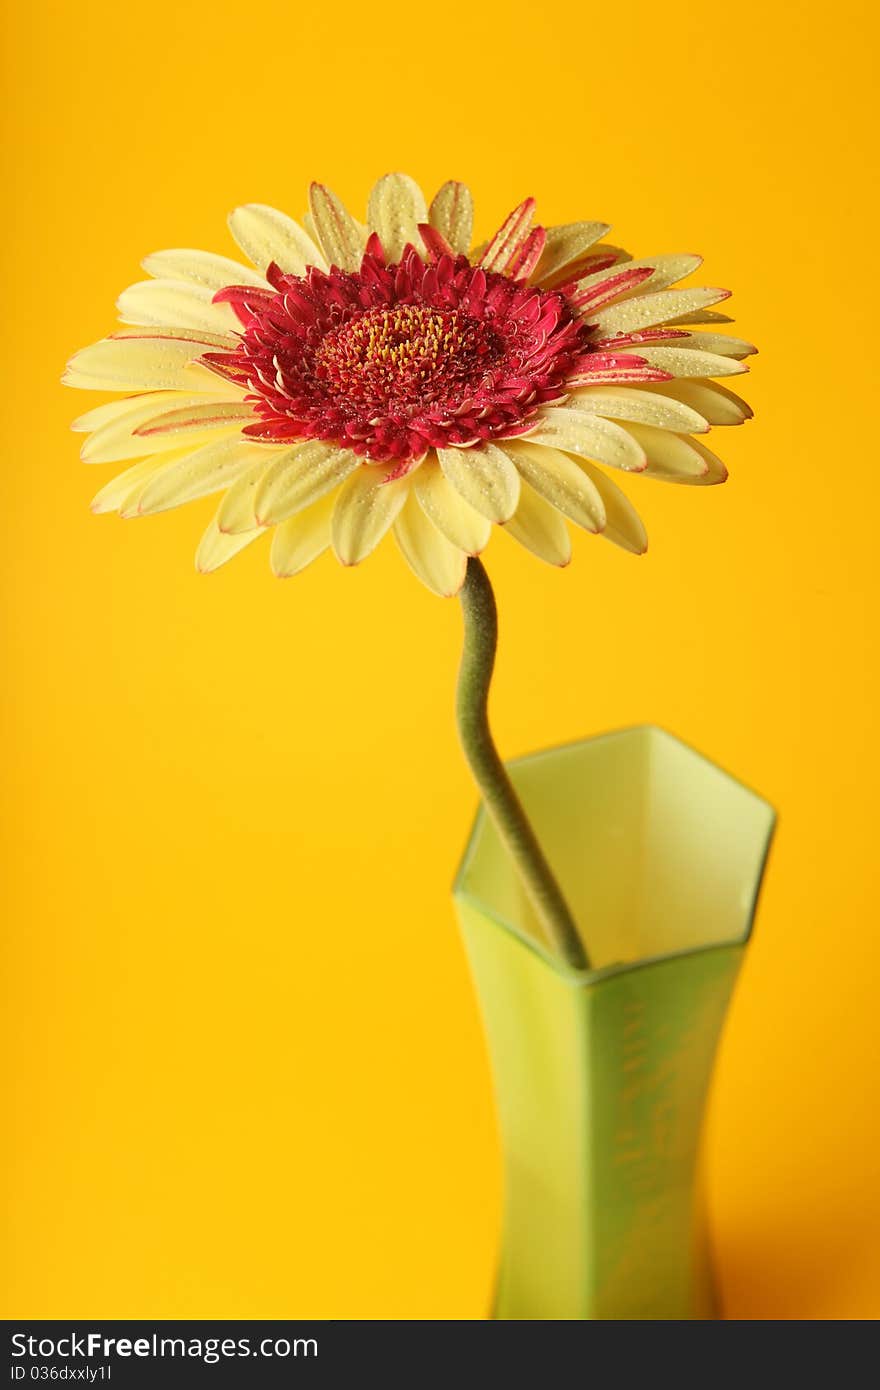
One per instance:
(509,238)
(435,242)
(525,260)
(590,299)
(375,249)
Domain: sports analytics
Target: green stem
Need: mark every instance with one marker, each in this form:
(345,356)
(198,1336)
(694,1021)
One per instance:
(501,800)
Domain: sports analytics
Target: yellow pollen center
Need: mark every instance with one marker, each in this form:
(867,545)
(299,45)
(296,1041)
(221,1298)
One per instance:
(404,337)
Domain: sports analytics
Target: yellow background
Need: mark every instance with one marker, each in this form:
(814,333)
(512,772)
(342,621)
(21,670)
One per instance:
(245,1068)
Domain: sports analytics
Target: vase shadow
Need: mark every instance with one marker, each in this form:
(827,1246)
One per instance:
(784,1268)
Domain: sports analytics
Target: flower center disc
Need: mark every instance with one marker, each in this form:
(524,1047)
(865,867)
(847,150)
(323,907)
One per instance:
(394,360)
(404,354)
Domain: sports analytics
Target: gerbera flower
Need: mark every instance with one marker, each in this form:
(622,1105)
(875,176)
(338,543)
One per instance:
(356,380)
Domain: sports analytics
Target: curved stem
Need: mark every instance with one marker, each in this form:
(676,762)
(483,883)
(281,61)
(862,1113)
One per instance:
(501,800)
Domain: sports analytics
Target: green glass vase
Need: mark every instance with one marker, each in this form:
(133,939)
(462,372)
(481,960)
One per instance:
(601,1076)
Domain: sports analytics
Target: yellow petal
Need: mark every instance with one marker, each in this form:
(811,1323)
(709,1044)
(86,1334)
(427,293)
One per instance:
(140,364)
(116,410)
(197,474)
(667,270)
(626,403)
(540,528)
(121,493)
(439,564)
(566,244)
(396,207)
(341,239)
(176,303)
(688,362)
(452,215)
(265,235)
(699,316)
(216,547)
(720,343)
(120,438)
(669,456)
(302,538)
(589,436)
(308,223)
(646,310)
(623,525)
(560,481)
(160,448)
(485,477)
(299,476)
(237,514)
(716,471)
(715,403)
(201,415)
(451,514)
(200,338)
(200,268)
(366,508)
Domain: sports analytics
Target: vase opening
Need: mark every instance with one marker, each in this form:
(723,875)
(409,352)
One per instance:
(657,850)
